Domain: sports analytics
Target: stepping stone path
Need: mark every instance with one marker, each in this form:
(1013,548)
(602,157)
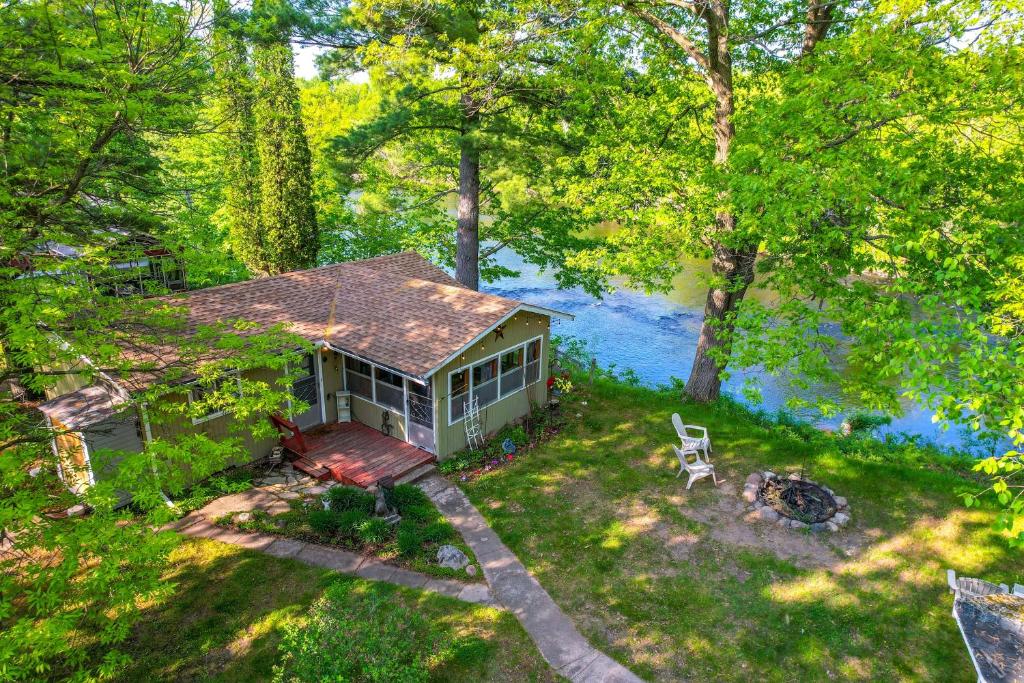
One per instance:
(514,588)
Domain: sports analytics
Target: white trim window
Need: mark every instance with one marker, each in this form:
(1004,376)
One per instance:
(358,377)
(534,354)
(512,371)
(495,377)
(390,390)
(198,393)
(485,381)
(458,394)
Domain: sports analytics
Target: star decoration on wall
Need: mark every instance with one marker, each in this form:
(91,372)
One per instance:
(499,332)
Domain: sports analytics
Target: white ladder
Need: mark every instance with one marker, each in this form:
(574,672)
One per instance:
(474,432)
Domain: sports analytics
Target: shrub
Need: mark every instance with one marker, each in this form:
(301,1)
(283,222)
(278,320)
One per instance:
(350,521)
(407,495)
(515,432)
(374,530)
(438,532)
(324,522)
(419,513)
(867,421)
(342,498)
(410,540)
(359,636)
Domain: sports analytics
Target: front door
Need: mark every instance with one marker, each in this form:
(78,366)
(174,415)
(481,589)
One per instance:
(306,389)
(421,416)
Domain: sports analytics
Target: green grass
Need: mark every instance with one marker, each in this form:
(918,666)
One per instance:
(598,516)
(224,621)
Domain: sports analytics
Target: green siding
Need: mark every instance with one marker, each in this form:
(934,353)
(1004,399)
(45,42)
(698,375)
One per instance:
(521,328)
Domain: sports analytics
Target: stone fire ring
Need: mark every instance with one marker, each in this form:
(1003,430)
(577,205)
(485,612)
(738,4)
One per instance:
(758,511)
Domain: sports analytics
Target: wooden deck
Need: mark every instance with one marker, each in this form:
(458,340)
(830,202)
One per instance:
(352,453)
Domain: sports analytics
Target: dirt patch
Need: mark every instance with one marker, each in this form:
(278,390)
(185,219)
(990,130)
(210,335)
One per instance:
(724,517)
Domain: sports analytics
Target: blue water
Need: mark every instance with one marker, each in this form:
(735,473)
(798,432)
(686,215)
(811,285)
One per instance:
(656,335)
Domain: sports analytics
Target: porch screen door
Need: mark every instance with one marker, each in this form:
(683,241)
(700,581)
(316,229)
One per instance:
(421,416)
(305,389)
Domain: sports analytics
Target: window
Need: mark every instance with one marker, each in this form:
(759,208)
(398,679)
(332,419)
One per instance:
(359,382)
(511,371)
(458,393)
(211,398)
(533,361)
(389,390)
(485,382)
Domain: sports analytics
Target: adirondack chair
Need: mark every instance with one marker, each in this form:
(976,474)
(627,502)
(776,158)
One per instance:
(702,442)
(697,469)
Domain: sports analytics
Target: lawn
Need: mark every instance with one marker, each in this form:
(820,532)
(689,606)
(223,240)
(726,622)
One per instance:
(677,585)
(225,620)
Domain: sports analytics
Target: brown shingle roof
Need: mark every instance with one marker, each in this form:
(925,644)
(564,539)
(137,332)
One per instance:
(400,311)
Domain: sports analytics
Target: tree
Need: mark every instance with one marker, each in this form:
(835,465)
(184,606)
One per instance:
(234,109)
(291,236)
(466,115)
(88,92)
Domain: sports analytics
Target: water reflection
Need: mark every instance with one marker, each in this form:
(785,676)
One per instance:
(656,336)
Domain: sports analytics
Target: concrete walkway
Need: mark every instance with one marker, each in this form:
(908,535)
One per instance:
(513,587)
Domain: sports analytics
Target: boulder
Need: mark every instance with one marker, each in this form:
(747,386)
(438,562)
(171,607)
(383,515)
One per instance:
(818,527)
(754,479)
(797,524)
(767,514)
(749,494)
(832,526)
(758,505)
(794,477)
(840,502)
(471,569)
(841,518)
(243,517)
(768,475)
(451,557)
(782,521)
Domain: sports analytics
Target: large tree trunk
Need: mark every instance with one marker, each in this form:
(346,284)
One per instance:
(734,271)
(733,268)
(467,249)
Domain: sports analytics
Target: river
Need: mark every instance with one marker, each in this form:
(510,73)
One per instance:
(655,335)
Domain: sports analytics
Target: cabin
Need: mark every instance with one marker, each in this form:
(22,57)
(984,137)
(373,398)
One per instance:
(400,350)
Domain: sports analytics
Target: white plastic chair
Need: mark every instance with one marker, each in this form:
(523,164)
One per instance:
(702,442)
(697,469)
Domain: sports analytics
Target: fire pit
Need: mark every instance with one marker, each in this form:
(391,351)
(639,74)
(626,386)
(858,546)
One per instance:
(794,502)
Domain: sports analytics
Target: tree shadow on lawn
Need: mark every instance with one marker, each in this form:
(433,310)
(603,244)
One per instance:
(226,616)
(598,515)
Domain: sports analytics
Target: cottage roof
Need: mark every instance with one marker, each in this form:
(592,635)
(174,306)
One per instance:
(399,311)
(84,407)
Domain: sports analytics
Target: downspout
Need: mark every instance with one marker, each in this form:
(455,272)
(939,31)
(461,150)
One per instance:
(148,435)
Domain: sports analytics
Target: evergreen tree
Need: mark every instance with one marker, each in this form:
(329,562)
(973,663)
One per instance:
(290,235)
(239,156)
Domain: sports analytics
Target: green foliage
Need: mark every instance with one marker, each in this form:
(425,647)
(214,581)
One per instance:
(438,532)
(409,495)
(343,498)
(410,538)
(866,422)
(324,522)
(355,636)
(374,531)
(235,480)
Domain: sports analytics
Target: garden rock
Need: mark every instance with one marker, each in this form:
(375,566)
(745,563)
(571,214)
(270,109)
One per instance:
(754,480)
(451,557)
(471,569)
(749,493)
(767,514)
(840,502)
(243,516)
(841,518)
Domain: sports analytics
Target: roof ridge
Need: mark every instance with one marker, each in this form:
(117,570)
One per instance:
(292,273)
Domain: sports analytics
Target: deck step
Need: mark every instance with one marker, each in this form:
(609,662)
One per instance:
(311,468)
(413,476)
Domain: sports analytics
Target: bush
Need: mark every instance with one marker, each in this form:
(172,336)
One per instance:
(342,498)
(350,521)
(438,532)
(407,495)
(410,540)
(374,530)
(324,522)
(419,513)
(867,421)
(515,432)
(359,636)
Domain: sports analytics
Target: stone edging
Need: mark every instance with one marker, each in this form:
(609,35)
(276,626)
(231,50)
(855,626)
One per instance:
(761,512)
(336,559)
